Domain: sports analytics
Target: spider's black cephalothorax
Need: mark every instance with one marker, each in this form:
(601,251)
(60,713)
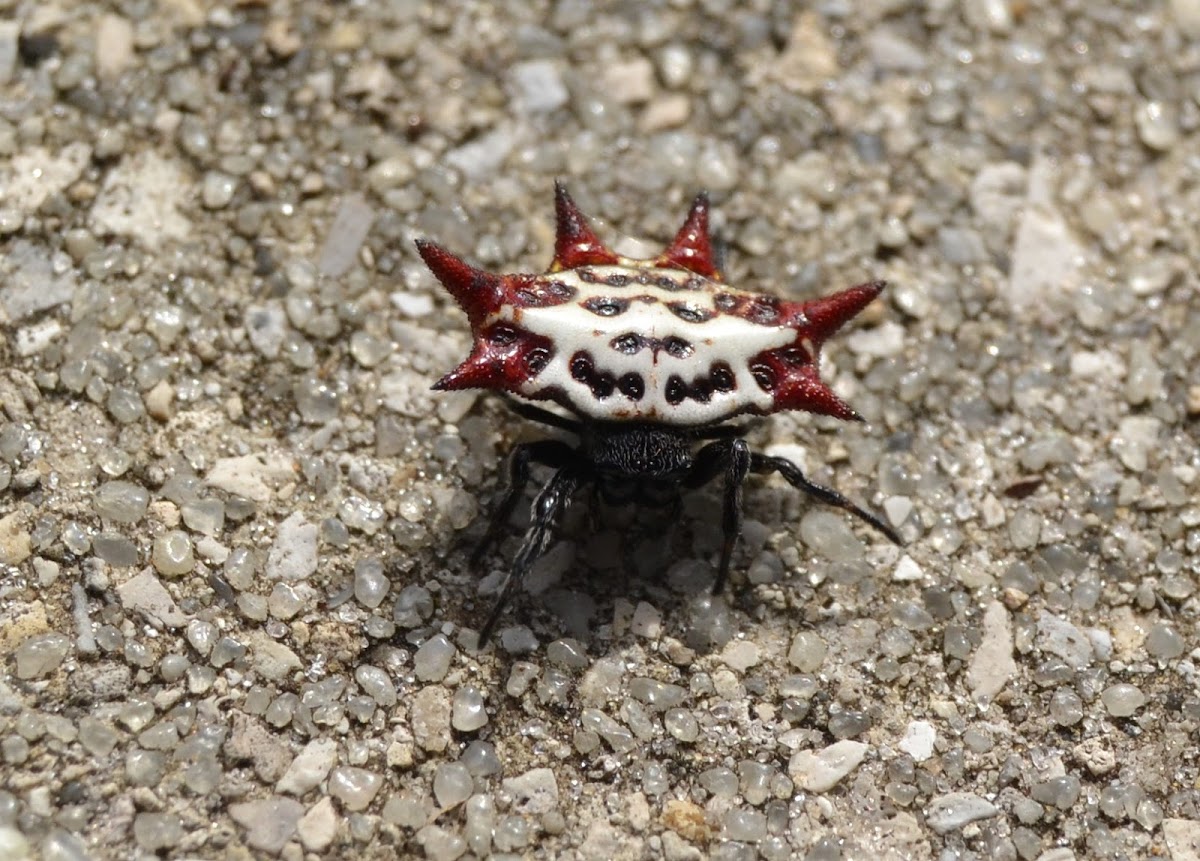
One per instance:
(641,464)
(653,358)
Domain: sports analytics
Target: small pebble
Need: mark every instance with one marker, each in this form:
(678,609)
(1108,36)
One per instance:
(469,711)
(370,584)
(172,554)
(535,792)
(452,784)
(480,759)
(1164,643)
(1122,700)
(318,827)
(41,655)
(682,724)
(376,684)
(432,660)
(217,190)
(440,844)
(820,770)
(354,787)
(807,652)
(954,810)
(746,825)
(1060,792)
(121,501)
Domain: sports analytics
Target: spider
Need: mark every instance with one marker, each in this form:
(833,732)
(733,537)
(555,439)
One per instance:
(653,358)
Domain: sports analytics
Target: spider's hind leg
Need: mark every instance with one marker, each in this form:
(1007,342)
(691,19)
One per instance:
(548,507)
(548,452)
(733,456)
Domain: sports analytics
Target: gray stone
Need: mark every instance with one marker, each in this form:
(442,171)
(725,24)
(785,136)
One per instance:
(992,665)
(318,827)
(41,655)
(534,793)
(251,741)
(293,554)
(346,235)
(270,822)
(952,811)
(309,768)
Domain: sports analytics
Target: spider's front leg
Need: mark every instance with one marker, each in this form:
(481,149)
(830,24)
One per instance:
(548,452)
(733,457)
(761,463)
(548,507)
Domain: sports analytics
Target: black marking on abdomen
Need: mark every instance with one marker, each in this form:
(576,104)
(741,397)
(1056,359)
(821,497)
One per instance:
(606,306)
(690,313)
(632,386)
(583,370)
(764,375)
(722,377)
(631,343)
(676,390)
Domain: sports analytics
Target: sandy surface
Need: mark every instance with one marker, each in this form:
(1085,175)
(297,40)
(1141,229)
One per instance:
(236,613)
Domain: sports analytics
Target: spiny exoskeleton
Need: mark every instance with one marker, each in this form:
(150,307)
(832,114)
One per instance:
(653,358)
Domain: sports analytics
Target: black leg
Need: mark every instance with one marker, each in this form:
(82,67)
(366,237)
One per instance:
(733,457)
(548,452)
(731,519)
(537,414)
(549,505)
(762,464)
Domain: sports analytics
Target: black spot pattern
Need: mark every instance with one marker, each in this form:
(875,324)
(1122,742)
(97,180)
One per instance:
(631,344)
(677,390)
(722,377)
(604,306)
(583,370)
(764,375)
(689,313)
(764,310)
(628,344)
(536,360)
(632,386)
(582,367)
(677,347)
(502,335)
(542,293)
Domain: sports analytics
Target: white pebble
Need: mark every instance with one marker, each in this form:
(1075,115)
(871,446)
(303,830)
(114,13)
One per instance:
(820,771)
(432,659)
(354,787)
(954,810)
(918,740)
(452,784)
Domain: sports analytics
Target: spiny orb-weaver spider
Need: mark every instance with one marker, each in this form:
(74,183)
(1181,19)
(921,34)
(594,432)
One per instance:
(652,357)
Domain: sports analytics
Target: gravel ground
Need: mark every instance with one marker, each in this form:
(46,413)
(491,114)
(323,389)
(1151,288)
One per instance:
(236,613)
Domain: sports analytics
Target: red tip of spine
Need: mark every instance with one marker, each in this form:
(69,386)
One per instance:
(692,247)
(478,293)
(575,243)
(817,319)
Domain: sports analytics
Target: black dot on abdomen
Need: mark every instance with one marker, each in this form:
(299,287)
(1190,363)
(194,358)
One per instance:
(676,390)
(632,386)
(582,367)
(722,377)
